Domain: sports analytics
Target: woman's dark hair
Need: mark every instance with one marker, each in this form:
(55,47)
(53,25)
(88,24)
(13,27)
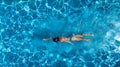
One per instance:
(56,39)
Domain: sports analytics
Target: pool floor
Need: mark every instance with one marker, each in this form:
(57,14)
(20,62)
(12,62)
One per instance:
(24,24)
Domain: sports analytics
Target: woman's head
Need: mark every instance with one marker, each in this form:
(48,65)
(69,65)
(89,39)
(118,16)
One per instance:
(56,39)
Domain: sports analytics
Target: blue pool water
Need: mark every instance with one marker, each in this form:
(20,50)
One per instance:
(24,23)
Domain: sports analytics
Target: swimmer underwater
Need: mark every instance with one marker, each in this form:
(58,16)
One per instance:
(69,39)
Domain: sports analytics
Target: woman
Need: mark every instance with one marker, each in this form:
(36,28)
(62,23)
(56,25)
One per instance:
(68,39)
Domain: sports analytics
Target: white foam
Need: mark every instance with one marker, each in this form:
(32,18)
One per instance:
(117,37)
(117,24)
(110,33)
(117,50)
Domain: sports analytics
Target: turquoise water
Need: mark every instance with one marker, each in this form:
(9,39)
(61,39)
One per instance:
(24,23)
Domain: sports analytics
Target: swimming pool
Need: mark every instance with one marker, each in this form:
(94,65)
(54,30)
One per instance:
(24,23)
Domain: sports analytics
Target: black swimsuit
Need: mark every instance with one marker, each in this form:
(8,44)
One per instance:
(56,39)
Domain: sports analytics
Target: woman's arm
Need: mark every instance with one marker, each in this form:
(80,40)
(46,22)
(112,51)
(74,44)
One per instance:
(69,42)
(46,38)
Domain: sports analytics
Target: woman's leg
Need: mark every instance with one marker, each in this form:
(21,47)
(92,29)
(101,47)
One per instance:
(46,38)
(79,39)
(81,35)
(85,39)
(87,34)
(74,35)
